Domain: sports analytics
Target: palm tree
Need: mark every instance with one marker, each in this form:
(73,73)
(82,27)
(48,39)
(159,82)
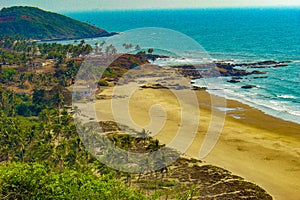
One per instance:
(102,43)
(113,50)
(154,146)
(76,111)
(127,46)
(12,103)
(57,130)
(82,42)
(137,47)
(107,50)
(96,47)
(60,153)
(46,116)
(34,49)
(144,134)
(58,99)
(150,51)
(2,99)
(127,140)
(86,49)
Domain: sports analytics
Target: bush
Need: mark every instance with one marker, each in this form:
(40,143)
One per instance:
(35,181)
(24,110)
(102,82)
(8,73)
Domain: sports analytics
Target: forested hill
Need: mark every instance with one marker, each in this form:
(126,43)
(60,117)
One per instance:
(34,23)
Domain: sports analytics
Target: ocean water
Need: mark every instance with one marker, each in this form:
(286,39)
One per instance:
(232,35)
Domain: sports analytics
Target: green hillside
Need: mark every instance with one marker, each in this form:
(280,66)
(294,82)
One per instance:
(34,23)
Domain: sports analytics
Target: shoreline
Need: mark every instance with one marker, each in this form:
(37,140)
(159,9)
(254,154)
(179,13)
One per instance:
(253,105)
(258,147)
(247,112)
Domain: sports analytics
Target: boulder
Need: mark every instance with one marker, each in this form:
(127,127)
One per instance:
(257,77)
(233,81)
(248,86)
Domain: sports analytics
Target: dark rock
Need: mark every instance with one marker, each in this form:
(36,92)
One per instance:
(259,66)
(153,86)
(286,61)
(237,77)
(189,71)
(210,70)
(149,57)
(257,77)
(198,88)
(263,64)
(233,81)
(281,65)
(268,62)
(258,72)
(248,86)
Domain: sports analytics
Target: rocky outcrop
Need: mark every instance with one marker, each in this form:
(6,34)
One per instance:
(258,72)
(258,77)
(175,86)
(198,88)
(225,69)
(212,182)
(153,86)
(248,86)
(263,64)
(212,70)
(233,81)
(152,57)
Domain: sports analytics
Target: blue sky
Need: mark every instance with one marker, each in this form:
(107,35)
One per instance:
(75,5)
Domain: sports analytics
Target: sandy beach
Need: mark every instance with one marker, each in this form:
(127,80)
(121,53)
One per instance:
(260,148)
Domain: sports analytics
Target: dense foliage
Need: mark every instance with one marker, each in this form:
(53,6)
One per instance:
(36,181)
(34,23)
(49,161)
(42,155)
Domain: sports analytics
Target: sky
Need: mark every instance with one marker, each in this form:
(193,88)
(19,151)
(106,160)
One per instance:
(82,5)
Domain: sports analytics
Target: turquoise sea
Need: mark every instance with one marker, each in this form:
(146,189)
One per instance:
(232,35)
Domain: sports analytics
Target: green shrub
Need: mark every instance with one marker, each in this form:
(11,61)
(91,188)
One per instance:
(35,181)
(102,82)
(8,73)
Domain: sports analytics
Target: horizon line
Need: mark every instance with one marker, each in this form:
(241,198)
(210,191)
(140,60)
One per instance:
(157,9)
(186,8)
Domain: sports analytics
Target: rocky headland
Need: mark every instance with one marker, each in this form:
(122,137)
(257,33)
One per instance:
(225,69)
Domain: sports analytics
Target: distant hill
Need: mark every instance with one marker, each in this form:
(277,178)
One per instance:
(34,23)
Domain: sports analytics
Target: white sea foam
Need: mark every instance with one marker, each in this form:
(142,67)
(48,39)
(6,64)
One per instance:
(274,107)
(236,116)
(226,109)
(181,61)
(287,96)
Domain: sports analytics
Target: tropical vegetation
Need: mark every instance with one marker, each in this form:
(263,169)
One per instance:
(42,156)
(34,23)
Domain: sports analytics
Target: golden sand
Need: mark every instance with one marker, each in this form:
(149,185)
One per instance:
(260,148)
